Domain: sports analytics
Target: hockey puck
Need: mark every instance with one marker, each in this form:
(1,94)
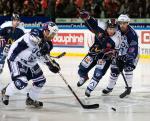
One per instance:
(114,109)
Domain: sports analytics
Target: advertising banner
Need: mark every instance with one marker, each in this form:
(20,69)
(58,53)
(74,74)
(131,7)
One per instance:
(74,37)
(69,40)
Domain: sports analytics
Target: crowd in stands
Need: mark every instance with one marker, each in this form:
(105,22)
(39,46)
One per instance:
(70,8)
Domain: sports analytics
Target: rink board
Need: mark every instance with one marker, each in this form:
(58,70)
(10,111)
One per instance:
(76,42)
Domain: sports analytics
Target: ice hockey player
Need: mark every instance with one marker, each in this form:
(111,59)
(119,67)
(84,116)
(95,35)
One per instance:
(9,32)
(106,39)
(22,61)
(127,58)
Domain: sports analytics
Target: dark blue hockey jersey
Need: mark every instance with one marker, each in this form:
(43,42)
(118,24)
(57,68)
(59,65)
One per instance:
(131,39)
(10,34)
(92,25)
(101,37)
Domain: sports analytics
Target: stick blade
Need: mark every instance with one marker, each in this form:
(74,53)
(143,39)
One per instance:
(93,106)
(64,53)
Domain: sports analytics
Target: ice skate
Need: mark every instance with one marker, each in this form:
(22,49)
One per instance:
(106,91)
(82,81)
(5,98)
(126,92)
(35,103)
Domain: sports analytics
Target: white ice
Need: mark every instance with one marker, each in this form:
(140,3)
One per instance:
(61,105)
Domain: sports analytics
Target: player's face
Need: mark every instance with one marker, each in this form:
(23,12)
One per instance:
(15,23)
(123,26)
(111,31)
(48,35)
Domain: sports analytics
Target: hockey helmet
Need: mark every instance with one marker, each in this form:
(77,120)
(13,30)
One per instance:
(51,26)
(111,23)
(36,36)
(123,18)
(15,16)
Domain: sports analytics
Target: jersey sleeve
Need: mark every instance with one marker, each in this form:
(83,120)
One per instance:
(46,47)
(92,25)
(21,46)
(133,46)
(21,33)
(3,32)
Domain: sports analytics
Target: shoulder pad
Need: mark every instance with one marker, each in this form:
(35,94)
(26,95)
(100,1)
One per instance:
(6,24)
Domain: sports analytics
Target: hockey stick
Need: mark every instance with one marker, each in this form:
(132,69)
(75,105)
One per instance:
(59,56)
(128,89)
(122,95)
(124,79)
(121,71)
(92,106)
(84,106)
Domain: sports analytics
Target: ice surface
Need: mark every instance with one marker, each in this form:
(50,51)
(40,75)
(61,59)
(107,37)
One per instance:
(61,105)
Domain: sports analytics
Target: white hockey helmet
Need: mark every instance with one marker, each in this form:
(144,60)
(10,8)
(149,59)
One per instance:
(123,18)
(51,26)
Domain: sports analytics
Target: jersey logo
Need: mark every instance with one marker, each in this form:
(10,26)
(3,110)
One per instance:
(131,50)
(10,41)
(9,30)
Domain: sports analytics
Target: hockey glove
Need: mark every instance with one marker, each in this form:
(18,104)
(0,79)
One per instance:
(122,58)
(95,49)
(130,63)
(53,66)
(120,62)
(84,15)
(127,59)
(46,47)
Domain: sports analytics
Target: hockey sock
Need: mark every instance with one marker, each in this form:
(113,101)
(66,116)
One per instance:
(34,92)
(112,81)
(11,89)
(93,84)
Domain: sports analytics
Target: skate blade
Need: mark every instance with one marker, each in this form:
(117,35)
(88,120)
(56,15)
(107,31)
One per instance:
(32,106)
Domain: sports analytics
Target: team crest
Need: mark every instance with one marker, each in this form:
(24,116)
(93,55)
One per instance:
(9,30)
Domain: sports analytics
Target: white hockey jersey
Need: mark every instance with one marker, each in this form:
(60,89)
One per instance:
(117,38)
(25,51)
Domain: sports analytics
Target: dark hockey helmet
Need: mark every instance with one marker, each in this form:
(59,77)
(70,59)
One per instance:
(36,32)
(112,23)
(15,16)
(36,36)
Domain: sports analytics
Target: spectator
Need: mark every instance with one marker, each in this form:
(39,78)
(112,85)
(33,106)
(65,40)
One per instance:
(97,9)
(112,8)
(27,9)
(50,11)
(60,9)
(69,8)
(124,8)
(40,7)
(1,8)
(16,6)
(147,8)
(87,5)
